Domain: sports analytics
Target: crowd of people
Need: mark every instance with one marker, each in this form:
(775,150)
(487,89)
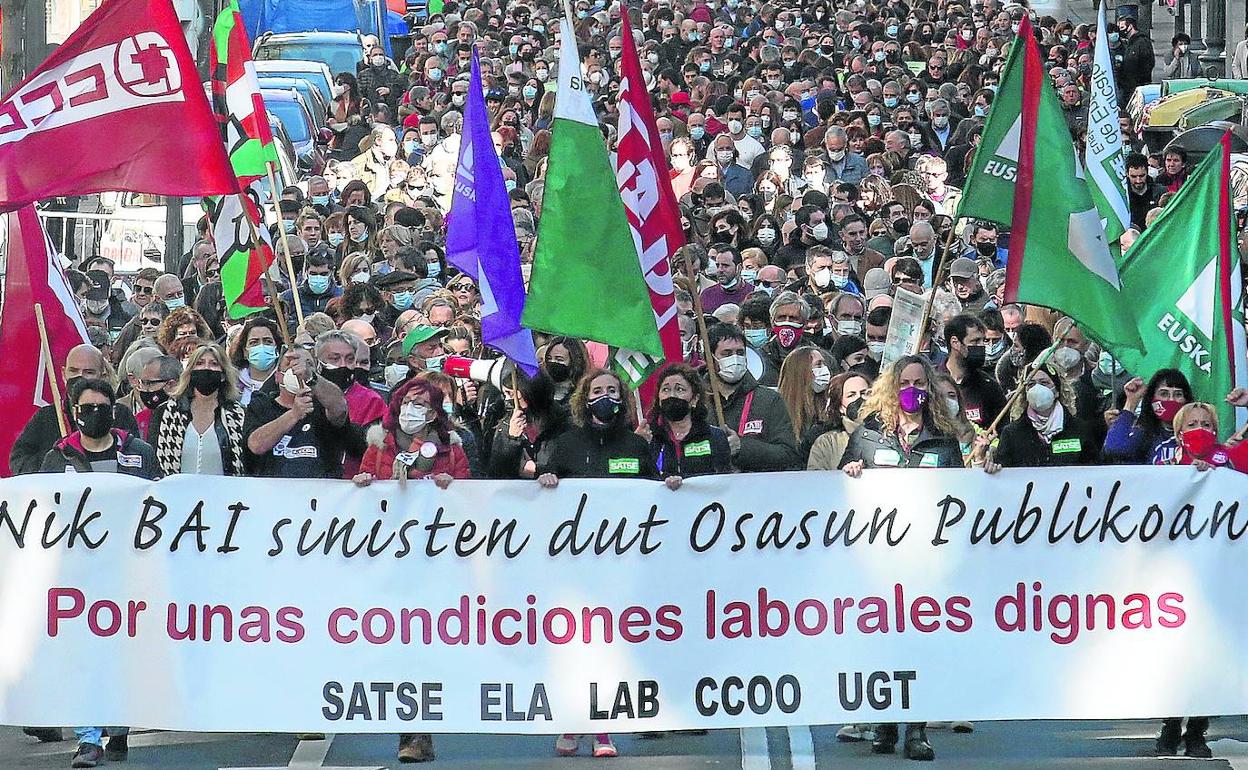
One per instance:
(816,150)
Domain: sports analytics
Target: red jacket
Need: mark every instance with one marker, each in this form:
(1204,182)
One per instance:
(379,458)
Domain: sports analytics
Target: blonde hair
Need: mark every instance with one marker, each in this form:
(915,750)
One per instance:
(229,388)
(1065,393)
(806,407)
(883,402)
(1190,407)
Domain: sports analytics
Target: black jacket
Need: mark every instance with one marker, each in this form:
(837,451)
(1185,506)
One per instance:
(1020,445)
(135,457)
(42,433)
(506,453)
(703,452)
(877,448)
(766,431)
(1138,61)
(591,453)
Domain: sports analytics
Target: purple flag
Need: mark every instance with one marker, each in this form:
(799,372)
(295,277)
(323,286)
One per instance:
(481,237)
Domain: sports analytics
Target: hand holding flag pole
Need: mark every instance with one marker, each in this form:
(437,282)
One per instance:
(290,263)
(942,263)
(690,280)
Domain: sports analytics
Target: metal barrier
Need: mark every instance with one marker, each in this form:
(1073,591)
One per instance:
(131,242)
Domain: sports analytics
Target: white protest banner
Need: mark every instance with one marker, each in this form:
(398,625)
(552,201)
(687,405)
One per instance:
(904,334)
(604,606)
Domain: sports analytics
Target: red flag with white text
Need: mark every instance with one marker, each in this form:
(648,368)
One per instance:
(118,106)
(33,276)
(652,210)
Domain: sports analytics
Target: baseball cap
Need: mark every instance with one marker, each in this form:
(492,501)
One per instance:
(876,282)
(419,334)
(963,267)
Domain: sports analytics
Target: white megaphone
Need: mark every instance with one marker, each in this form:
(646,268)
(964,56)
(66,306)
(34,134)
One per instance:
(494,371)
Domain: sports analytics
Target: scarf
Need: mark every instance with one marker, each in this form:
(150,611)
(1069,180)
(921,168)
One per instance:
(1050,426)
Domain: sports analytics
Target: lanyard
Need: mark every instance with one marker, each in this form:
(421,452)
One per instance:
(745,413)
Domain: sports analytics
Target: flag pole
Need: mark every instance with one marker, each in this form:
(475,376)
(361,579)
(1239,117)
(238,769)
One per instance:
(274,300)
(46,351)
(290,264)
(1026,374)
(937,271)
(692,280)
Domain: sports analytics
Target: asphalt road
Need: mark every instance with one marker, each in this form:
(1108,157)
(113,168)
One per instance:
(1120,745)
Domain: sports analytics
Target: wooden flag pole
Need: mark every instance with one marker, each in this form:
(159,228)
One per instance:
(692,279)
(274,300)
(285,247)
(45,349)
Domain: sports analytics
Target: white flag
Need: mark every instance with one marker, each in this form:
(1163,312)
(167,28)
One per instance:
(1104,156)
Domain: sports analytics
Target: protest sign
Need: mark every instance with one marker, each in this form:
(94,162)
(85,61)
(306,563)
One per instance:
(904,332)
(605,606)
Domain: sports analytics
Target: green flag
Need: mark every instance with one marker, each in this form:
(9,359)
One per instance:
(244,248)
(586,280)
(1104,155)
(1183,277)
(1026,176)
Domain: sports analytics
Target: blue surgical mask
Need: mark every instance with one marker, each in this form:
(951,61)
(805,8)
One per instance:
(318,284)
(173,303)
(510,184)
(697,132)
(530,93)
(890,101)
(435,268)
(288,226)
(749,276)
(756,337)
(754,131)
(262,357)
(434,364)
(320,200)
(410,146)
(402,300)
(335,239)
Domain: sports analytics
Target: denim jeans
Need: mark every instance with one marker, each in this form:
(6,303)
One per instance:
(96,735)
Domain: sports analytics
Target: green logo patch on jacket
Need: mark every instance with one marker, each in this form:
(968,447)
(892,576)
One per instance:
(1066,446)
(630,465)
(698,448)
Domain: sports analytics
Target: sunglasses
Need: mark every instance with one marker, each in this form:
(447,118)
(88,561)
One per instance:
(144,289)
(149,322)
(464,287)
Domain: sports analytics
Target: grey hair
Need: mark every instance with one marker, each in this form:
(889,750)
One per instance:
(790,298)
(334,335)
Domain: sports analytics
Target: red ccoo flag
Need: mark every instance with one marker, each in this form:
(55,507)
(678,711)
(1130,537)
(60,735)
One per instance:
(653,213)
(118,106)
(34,276)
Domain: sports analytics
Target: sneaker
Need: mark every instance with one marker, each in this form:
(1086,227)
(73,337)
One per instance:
(567,745)
(88,755)
(415,747)
(44,734)
(117,749)
(963,727)
(855,734)
(916,745)
(603,747)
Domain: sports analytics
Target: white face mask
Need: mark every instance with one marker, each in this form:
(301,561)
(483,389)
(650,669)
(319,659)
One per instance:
(731,368)
(875,349)
(819,232)
(360,277)
(820,377)
(1040,397)
(291,383)
(822,276)
(412,417)
(766,235)
(394,374)
(952,404)
(849,328)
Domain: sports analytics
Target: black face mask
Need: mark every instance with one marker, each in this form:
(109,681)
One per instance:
(206,382)
(558,371)
(988,249)
(674,408)
(153,398)
(339,375)
(95,420)
(855,406)
(605,409)
(975,356)
(360,376)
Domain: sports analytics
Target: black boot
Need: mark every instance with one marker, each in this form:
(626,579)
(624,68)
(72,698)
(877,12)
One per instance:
(1171,734)
(885,739)
(44,734)
(117,749)
(916,745)
(1194,739)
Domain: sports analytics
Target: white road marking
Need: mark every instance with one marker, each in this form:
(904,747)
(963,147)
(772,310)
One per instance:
(309,755)
(802,748)
(754,752)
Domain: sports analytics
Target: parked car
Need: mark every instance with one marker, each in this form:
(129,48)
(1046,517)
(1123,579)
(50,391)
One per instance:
(340,51)
(307,89)
(315,72)
(301,126)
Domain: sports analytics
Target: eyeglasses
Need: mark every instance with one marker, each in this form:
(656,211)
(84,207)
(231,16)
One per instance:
(153,384)
(213,273)
(149,322)
(140,289)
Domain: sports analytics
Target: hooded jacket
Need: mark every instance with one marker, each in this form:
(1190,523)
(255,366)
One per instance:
(383,448)
(135,457)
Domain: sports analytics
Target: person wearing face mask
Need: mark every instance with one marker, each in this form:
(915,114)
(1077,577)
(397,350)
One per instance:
(254,355)
(152,377)
(565,362)
(295,426)
(1142,191)
(805,380)
(682,443)
(735,178)
(903,427)
(1043,430)
(337,352)
(97,446)
(812,229)
(379,82)
(789,314)
(1138,58)
(843,165)
(318,286)
(398,289)
(729,286)
(847,392)
(1146,439)
(981,396)
(42,432)
(760,433)
(200,428)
